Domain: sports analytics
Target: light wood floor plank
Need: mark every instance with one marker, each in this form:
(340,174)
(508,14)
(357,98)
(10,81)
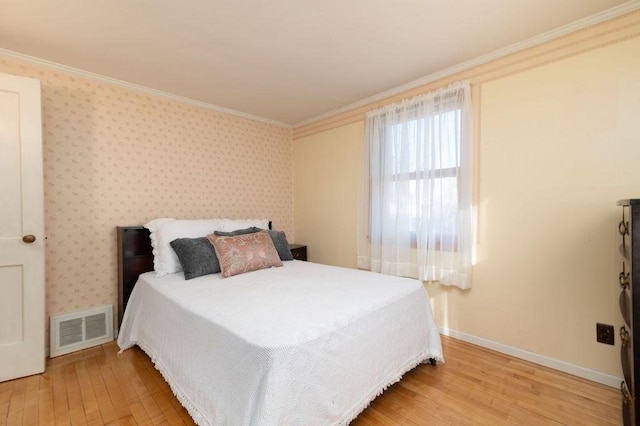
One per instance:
(116,396)
(89,400)
(128,392)
(45,400)
(105,406)
(126,421)
(475,386)
(168,410)
(17,402)
(74,394)
(5,397)
(60,401)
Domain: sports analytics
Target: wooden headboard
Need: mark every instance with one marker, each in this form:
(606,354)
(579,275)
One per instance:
(135,257)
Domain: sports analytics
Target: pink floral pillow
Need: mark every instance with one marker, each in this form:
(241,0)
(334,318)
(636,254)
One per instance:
(244,253)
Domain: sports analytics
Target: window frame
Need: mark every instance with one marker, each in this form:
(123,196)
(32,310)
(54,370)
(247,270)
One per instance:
(431,174)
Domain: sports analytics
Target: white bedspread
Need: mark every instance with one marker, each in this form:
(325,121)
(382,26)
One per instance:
(303,344)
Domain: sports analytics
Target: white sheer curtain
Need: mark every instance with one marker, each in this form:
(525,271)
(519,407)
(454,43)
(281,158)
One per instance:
(416,214)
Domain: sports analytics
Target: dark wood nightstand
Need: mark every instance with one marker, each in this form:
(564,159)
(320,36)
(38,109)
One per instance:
(298,251)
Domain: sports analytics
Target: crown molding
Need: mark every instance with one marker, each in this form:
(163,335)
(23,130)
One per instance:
(497,54)
(136,87)
(514,48)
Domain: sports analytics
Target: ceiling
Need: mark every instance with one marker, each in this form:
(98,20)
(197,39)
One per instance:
(286,61)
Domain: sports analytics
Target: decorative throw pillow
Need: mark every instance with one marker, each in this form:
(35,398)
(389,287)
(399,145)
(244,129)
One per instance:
(278,237)
(245,253)
(197,256)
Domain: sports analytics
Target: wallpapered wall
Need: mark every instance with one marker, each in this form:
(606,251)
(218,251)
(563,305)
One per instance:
(114,156)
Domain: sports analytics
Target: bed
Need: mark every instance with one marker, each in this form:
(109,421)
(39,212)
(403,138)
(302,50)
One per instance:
(299,344)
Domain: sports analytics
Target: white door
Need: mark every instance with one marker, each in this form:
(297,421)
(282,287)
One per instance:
(22,291)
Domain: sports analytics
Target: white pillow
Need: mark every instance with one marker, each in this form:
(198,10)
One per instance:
(234,224)
(165,260)
(156,223)
(153,226)
(163,231)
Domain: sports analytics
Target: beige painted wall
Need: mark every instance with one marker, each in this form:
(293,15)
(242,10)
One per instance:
(559,144)
(114,156)
(326,167)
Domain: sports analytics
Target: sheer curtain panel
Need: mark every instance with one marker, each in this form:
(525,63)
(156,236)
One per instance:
(416,213)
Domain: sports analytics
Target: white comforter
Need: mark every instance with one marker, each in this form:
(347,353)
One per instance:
(303,344)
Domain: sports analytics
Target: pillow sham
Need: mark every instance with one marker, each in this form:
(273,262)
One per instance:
(153,227)
(197,256)
(244,253)
(163,231)
(154,224)
(278,237)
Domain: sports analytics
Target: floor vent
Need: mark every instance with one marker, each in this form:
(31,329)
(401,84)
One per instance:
(80,330)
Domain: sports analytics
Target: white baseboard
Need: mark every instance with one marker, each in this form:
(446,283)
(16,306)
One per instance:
(546,361)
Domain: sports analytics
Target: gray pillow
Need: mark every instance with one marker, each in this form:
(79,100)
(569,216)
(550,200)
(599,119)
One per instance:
(197,256)
(278,237)
(250,230)
(282,245)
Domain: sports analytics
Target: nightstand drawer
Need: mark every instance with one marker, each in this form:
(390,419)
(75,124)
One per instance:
(298,251)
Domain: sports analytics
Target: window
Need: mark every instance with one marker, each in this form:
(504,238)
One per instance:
(416,199)
(430,164)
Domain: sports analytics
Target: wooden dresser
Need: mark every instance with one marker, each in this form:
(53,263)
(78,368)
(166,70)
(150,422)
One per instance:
(629,280)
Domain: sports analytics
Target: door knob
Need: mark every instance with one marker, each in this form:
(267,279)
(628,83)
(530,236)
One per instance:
(29,238)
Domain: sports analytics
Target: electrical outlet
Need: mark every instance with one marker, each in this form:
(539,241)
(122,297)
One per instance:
(604,334)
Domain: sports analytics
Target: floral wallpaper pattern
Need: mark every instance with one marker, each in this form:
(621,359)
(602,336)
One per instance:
(115,156)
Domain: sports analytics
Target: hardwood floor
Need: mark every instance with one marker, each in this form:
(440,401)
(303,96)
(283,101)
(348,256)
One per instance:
(475,386)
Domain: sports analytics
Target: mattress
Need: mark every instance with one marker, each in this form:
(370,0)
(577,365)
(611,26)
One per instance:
(300,344)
